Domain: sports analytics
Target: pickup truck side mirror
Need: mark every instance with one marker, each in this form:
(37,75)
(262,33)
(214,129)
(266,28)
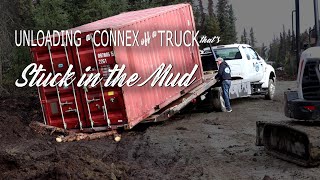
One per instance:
(259,57)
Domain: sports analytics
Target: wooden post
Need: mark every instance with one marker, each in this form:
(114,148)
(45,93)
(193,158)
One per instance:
(69,136)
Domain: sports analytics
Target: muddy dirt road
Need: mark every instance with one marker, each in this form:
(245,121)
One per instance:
(196,145)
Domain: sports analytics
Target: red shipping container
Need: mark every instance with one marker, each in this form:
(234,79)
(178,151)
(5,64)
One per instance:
(112,107)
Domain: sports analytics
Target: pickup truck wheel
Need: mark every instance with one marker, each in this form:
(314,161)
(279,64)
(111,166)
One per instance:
(271,90)
(218,101)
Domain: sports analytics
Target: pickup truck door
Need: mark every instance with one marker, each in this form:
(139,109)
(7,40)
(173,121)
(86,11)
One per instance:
(236,68)
(256,64)
(262,66)
(248,62)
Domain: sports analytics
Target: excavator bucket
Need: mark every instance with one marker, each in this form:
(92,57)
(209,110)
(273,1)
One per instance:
(297,142)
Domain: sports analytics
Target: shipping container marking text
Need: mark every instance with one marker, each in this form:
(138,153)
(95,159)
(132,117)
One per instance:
(106,38)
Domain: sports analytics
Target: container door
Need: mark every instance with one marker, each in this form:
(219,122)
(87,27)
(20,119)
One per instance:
(103,106)
(61,105)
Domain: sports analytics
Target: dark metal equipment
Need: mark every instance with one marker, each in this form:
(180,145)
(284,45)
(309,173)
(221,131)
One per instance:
(316,24)
(317,27)
(297,140)
(298,32)
(292,24)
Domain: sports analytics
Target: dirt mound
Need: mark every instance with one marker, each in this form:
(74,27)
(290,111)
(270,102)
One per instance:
(15,115)
(25,154)
(41,161)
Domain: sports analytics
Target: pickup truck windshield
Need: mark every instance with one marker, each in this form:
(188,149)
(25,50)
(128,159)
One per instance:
(228,53)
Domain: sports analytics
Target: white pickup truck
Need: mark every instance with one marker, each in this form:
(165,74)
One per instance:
(251,75)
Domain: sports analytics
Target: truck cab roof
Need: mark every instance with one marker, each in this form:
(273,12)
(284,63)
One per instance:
(313,52)
(226,46)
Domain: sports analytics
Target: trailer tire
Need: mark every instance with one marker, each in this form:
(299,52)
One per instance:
(218,101)
(271,90)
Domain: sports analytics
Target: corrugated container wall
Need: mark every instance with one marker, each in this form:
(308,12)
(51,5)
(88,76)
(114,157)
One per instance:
(74,107)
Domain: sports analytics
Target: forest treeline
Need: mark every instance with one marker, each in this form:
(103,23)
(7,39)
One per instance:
(282,49)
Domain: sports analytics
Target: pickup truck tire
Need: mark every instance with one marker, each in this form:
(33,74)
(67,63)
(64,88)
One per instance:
(218,101)
(271,90)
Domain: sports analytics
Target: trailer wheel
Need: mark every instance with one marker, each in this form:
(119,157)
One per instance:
(271,90)
(218,101)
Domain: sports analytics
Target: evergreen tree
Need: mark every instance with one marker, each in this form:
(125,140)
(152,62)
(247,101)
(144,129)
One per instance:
(290,52)
(144,4)
(273,52)
(85,11)
(212,26)
(263,51)
(223,19)
(15,15)
(252,38)
(293,42)
(51,14)
(289,40)
(202,16)
(304,39)
(119,6)
(285,42)
(197,16)
(210,8)
(282,48)
(244,37)
(25,12)
(226,19)
(95,10)
(232,33)
(75,9)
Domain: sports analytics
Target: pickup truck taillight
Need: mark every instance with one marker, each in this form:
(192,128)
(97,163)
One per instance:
(310,108)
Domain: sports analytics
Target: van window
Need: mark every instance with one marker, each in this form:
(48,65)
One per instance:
(228,53)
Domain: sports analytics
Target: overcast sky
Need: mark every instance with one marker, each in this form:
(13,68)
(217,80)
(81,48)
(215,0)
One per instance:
(267,16)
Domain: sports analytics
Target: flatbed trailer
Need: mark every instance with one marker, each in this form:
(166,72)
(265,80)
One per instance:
(176,106)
